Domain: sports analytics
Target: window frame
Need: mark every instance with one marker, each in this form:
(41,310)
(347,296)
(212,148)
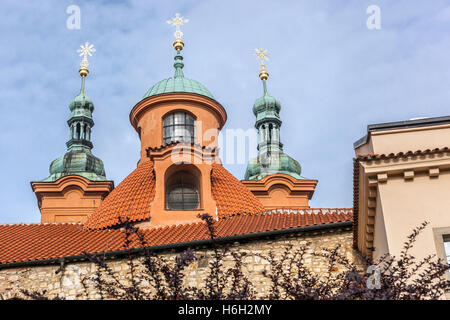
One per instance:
(446,239)
(441,235)
(186,125)
(182,179)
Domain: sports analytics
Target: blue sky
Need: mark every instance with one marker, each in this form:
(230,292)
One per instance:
(331,73)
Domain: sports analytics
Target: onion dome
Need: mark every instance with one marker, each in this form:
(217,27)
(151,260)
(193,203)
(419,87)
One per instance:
(286,164)
(81,105)
(266,107)
(77,162)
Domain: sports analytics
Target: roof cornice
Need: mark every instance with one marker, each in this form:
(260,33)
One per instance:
(152,101)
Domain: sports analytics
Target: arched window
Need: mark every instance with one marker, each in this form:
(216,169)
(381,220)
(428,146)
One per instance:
(78,132)
(182,191)
(178,126)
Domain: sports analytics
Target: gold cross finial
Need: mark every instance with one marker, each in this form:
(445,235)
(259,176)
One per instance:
(262,55)
(177,22)
(85,51)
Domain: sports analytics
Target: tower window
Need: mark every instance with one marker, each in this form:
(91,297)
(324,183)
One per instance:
(178,126)
(182,192)
(78,132)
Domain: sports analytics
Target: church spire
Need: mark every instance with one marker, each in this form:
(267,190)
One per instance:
(267,110)
(271,158)
(81,107)
(78,159)
(178,44)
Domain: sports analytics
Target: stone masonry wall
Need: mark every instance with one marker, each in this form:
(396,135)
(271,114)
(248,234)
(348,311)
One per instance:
(67,283)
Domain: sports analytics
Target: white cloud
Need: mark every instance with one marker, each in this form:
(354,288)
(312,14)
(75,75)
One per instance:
(332,75)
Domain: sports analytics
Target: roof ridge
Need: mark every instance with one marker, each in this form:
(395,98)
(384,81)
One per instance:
(89,240)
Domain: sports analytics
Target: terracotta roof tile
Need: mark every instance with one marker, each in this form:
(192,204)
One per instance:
(368,157)
(131,198)
(31,242)
(231,196)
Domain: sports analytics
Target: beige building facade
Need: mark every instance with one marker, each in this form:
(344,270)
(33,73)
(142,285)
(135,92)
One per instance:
(402,179)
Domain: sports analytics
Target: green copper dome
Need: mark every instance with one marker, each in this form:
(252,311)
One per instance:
(81,105)
(77,162)
(281,164)
(266,108)
(178,83)
(266,103)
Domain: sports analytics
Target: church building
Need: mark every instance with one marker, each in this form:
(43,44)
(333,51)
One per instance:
(180,175)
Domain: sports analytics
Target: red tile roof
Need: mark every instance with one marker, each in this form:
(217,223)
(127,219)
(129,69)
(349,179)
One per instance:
(28,242)
(131,198)
(38,242)
(231,195)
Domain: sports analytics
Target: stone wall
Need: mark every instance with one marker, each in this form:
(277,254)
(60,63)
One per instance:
(67,283)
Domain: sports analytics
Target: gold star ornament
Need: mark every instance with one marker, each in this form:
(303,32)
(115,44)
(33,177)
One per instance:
(85,51)
(262,55)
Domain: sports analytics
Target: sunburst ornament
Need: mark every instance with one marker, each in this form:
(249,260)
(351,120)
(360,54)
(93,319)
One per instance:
(85,51)
(262,55)
(178,21)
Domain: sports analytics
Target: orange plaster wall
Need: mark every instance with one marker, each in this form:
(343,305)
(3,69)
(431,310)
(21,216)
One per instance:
(70,206)
(147,118)
(70,199)
(280,197)
(282,191)
(164,166)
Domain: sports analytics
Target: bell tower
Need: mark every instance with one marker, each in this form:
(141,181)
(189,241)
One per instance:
(77,183)
(274,177)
